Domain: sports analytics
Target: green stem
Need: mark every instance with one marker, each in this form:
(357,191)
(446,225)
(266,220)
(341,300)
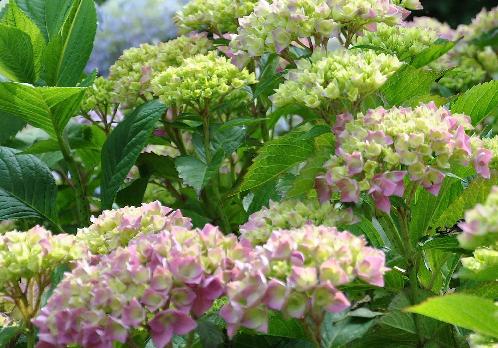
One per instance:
(31,336)
(412,256)
(312,333)
(82,203)
(216,190)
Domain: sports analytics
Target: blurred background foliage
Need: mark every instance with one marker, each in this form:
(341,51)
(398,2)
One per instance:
(454,12)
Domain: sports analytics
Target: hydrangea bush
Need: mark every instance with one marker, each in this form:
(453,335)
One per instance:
(306,173)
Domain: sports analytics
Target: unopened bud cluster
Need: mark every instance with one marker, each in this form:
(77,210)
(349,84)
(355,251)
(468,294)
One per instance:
(347,75)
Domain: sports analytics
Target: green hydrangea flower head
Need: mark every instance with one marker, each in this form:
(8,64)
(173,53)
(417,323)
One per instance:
(492,145)
(485,21)
(466,74)
(34,253)
(200,82)
(443,30)
(115,228)
(345,75)
(291,214)
(480,227)
(402,41)
(273,27)
(101,94)
(216,16)
(134,70)
(483,259)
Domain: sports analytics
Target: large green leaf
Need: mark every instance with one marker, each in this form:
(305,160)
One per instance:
(16,55)
(427,208)
(27,187)
(67,52)
(276,157)
(478,102)
(196,173)
(305,181)
(476,192)
(430,54)
(8,333)
(408,82)
(48,108)
(14,17)
(48,15)
(9,126)
(339,330)
(124,145)
(467,311)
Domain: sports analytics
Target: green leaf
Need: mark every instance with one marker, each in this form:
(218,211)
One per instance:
(124,145)
(161,166)
(16,18)
(408,82)
(427,208)
(9,126)
(448,243)
(478,102)
(467,311)
(8,333)
(48,15)
(67,52)
(430,54)
(133,194)
(48,108)
(275,158)
(305,181)
(338,330)
(196,173)
(475,193)
(16,55)
(285,327)
(27,187)
(211,336)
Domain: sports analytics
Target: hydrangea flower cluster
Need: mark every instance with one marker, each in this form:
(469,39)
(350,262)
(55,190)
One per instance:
(443,30)
(298,272)
(100,96)
(273,27)
(485,21)
(480,227)
(216,16)
(134,70)
(380,148)
(27,260)
(492,145)
(24,255)
(402,41)
(346,75)
(473,64)
(200,81)
(483,259)
(292,214)
(116,228)
(160,282)
(148,21)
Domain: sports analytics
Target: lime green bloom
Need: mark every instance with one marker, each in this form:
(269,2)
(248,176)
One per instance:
(200,82)
(134,70)
(35,253)
(337,76)
(401,41)
(115,228)
(100,96)
(292,214)
(216,16)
